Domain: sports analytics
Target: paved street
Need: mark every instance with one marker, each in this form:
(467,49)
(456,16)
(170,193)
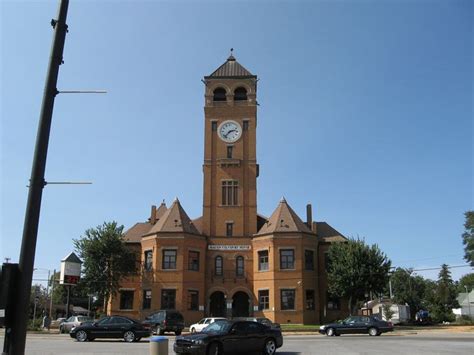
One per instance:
(422,343)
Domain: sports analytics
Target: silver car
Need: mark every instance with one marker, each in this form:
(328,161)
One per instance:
(74,321)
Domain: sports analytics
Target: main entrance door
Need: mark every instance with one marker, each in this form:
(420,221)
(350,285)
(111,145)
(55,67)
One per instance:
(240,304)
(217,304)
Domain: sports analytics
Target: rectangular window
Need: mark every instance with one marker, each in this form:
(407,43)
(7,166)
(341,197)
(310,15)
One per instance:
(193,300)
(168,299)
(229,229)
(218,266)
(146,299)
(229,151)
(169,259)
(230,189)
(263,299)
(126,299)
(333,302)
(287,299)
(309,260)
(246,125)
(148,265)
(263,260)
(287,259)
(310,300)
(193,260)
(214,126)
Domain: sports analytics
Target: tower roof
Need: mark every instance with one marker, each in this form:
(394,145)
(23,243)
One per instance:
(283,219)
(231,69)
(174,220)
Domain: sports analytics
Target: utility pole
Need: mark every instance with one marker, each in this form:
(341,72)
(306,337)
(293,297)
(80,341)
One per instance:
(37,183)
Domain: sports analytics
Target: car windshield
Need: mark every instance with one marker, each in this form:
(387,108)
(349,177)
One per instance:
(218,326)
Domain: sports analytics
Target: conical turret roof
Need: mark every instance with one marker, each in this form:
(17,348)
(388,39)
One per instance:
(174,220)
(285,220)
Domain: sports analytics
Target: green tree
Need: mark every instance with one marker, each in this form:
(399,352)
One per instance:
(387,311)
(106,259)
(468,237)
(357,269)
(409,289)
(443,299)
(466,281)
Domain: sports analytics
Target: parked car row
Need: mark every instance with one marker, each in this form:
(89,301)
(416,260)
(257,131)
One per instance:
(218,337)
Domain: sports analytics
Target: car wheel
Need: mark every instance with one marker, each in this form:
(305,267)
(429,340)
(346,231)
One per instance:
(214,349)
(193,330)
(373,331)
(129,336)
(330,332)
(270,347)
(81,336)
(178,332)
(61,330)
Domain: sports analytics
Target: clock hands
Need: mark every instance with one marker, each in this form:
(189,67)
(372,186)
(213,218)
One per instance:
(232,130)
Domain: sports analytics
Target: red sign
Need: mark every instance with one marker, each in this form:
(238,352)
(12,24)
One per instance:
(72,280)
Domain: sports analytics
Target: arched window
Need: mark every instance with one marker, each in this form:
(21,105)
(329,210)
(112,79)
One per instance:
(220,94)
(218,266)
(240,94)
(239,266)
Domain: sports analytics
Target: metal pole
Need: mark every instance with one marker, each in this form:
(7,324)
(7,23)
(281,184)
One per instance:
(34,312)
(47,291)
(67,302)
(51,298)
(30,228)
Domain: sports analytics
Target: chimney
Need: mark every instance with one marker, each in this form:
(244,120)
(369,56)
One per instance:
(315,228)
(153,214)
(309,216)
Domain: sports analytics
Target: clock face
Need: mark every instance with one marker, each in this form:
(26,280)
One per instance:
(229,131)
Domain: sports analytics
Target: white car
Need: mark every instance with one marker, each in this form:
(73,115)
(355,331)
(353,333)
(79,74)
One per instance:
(203,323)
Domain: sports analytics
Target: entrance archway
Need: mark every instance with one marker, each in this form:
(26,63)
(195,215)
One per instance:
(240,304)
(217,306)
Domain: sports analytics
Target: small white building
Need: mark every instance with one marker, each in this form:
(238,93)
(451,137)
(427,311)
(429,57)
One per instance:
(401,313)
(466,301)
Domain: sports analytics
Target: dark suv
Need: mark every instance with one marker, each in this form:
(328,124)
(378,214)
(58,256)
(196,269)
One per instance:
(165,321)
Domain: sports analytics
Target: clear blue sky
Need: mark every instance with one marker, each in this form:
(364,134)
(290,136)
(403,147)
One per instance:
(365,111)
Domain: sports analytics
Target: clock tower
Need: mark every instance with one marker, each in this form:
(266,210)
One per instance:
(230,166)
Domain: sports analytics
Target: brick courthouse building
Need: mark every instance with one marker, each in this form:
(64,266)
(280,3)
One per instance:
(231,261)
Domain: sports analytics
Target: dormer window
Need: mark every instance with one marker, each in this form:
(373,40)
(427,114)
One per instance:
(219,94)
(240,94)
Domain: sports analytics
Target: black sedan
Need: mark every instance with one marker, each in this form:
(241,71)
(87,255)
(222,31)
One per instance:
(223,337)
(111,327)
(357,325)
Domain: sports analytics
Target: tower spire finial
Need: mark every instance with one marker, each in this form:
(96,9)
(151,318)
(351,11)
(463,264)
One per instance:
(231,57)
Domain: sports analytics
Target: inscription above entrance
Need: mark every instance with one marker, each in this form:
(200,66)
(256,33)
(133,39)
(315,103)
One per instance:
(228,247)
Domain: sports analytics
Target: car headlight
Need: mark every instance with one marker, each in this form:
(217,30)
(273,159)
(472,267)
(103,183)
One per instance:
(198,342)
(322,327)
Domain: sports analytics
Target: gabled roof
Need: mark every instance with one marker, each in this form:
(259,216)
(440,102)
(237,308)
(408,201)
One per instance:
(174,220)
(135,233)
(160,211)
(72,258)
(285,220)
(230,69)
(328,233)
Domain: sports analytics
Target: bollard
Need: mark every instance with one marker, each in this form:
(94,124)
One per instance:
(158,345)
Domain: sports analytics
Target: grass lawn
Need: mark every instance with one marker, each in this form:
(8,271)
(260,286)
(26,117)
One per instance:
(303,327)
